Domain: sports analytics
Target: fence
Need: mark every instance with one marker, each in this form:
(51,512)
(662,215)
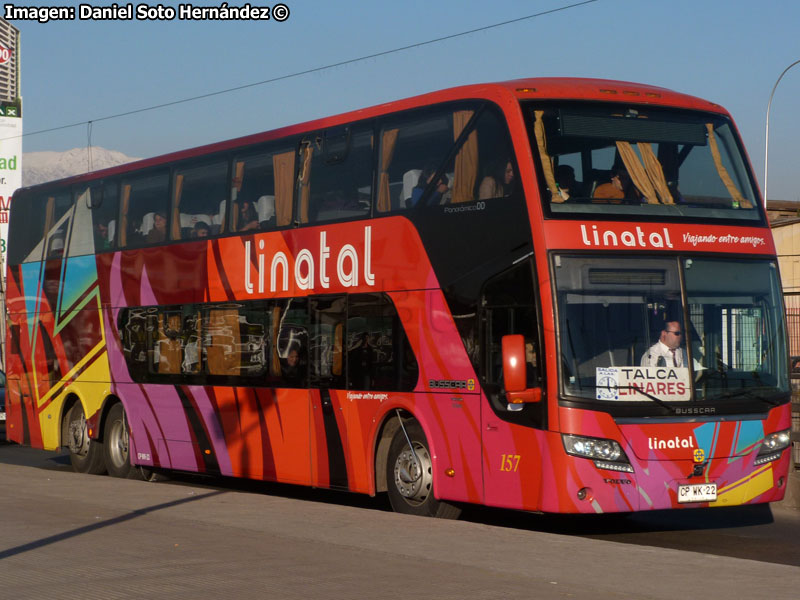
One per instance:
(792,303)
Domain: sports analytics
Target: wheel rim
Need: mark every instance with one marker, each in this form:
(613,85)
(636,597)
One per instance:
(78,436)
(413,478)
(118,443)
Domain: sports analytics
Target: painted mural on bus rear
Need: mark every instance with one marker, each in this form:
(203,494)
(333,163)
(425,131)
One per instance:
(555,295)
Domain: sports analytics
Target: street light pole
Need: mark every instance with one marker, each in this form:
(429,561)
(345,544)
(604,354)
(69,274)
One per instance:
(766,149)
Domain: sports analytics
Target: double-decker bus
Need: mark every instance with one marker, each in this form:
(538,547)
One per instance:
(555,295)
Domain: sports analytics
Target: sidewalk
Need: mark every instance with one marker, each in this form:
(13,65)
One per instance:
(90,537)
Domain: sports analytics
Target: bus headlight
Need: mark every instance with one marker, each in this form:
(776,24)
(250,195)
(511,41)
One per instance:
(606,454)
(773,446)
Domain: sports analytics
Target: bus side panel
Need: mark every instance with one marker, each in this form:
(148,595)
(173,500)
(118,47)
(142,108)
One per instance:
(240,432)
(168,429)
(447,402)
(513,462)
(340,449)
(267,432)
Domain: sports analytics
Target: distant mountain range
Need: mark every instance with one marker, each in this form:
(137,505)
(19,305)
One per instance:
(38,167)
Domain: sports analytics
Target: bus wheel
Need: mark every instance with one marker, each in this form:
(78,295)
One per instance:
(116,444)
(409,476)
(85,454)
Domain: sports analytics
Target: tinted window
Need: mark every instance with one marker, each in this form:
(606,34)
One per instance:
(335,180)
(235,340)
(199,200)
(459,155)
(105,215)
(145,217)
(379,356)
(509,309)
(58,213)
(26,228)
(136,325)
(409,147)
(272,343)
(290,342)
(641,161)
(326,341)
(262,190)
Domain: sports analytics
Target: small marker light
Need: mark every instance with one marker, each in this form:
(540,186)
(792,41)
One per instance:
(208,451)
(450,472)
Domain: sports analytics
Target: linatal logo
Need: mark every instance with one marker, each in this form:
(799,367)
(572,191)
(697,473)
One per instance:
(5,54)
(654,443)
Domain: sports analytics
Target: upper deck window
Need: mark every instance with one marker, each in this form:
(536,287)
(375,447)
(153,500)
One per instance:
(640,162)
(199,200)
(456,155)
(144,215)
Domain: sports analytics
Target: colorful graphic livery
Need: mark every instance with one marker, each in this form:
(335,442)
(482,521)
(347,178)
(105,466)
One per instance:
(550,295)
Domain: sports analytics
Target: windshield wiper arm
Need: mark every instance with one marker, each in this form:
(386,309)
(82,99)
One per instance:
(771,400)
(655,399)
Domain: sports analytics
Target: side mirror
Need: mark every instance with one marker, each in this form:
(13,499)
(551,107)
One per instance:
(515,372)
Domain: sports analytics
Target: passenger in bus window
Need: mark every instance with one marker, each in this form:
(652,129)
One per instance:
(565,178)
(531,365)
(620,190)
(201,230)
(498,182)
(101,241)
(666,352)
(159,231)
(424,179)
(248,217)
(291,367)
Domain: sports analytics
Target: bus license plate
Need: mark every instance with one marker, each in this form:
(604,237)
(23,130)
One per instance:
(698,492)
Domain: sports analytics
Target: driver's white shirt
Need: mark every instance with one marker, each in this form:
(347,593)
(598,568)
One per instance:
(661,350)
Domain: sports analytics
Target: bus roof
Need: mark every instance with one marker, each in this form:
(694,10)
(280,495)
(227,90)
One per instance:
(541,88)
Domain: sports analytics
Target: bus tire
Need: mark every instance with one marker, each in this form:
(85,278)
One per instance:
(85,454)
(410,482)
(116,446)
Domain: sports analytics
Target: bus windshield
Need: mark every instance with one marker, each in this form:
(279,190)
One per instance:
(643,162)
(629,331)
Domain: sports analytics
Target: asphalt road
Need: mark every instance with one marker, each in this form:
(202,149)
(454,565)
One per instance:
(96,537)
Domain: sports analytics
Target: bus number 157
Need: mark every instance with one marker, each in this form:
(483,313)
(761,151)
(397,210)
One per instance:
(509,462)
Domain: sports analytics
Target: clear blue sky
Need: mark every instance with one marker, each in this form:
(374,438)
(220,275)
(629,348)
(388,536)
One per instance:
(728,51)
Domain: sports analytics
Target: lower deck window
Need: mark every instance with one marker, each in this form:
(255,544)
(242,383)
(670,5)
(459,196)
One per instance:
(353,342)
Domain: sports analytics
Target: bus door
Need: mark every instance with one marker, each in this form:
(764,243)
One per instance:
(511,433)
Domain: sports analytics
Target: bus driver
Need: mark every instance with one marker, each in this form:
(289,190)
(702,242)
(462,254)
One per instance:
(666,352)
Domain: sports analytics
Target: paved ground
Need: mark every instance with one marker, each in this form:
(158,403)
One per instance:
(77,536)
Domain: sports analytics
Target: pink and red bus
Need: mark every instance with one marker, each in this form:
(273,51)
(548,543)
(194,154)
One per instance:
(555,295)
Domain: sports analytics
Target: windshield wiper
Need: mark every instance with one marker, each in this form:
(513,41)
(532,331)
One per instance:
(655,399)
(751,395)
